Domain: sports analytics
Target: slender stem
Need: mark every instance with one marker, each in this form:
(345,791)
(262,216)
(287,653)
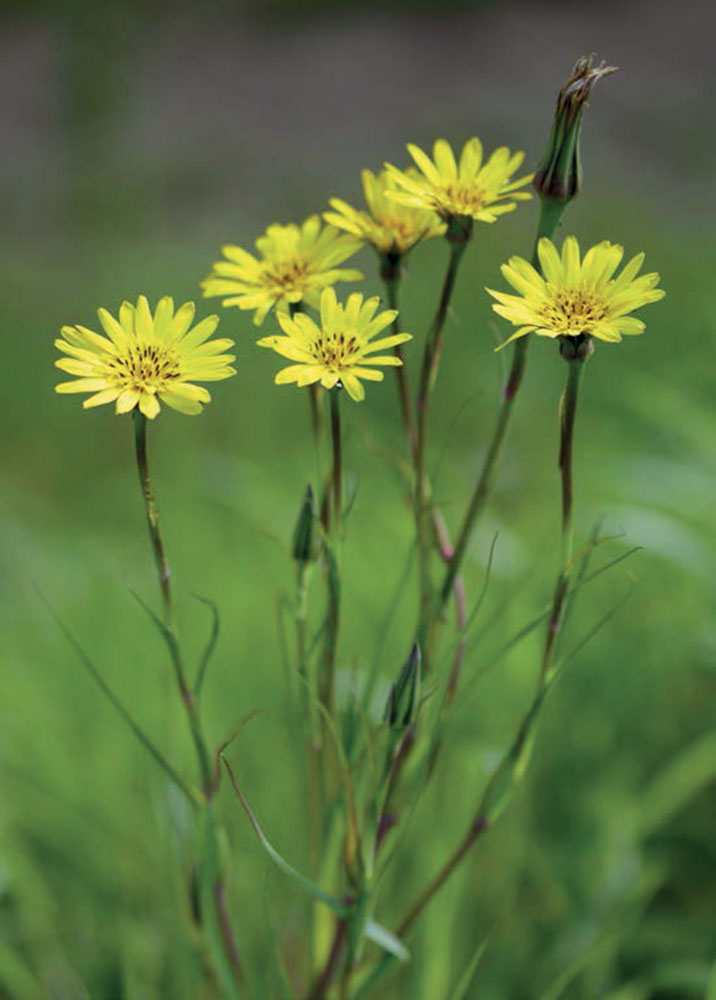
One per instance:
(333,962)
(225,929)
(314,392)
(567,416)
(446,554)
(336,460)
(333,520)
(568,413)
(187,695)
(477,827)
(390,273)
(550,214)
(150,506)
(185,692)
(428,375)
(316,419)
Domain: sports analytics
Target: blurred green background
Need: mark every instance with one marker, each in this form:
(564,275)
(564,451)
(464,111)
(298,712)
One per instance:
(139,137)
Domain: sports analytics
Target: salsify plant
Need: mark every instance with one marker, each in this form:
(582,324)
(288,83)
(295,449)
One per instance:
(368,773)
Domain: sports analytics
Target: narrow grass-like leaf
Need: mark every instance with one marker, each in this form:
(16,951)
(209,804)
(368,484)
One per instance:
(225,744)
(166,633)
(210,890)
(305,883)
(485,585)
(597,627)
(459,991)
(192,794)
(689,772)
(210,645)
(611,564)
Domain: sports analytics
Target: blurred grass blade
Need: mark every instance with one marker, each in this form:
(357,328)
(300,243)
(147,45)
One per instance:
(386,940)
(366,985)
(192,794)
(485,585)
(668,793)
(596,628)
(226,743)
(166,633)
(210,889)
(463,984)
(611,564)
(583,564)
(16,980)
(279,861)
(711,988)
(211,644)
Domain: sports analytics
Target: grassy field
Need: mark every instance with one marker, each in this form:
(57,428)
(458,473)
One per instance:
(599,880)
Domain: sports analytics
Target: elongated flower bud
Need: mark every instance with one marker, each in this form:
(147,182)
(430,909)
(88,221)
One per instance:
(402,706)
(304,534)
(559,174)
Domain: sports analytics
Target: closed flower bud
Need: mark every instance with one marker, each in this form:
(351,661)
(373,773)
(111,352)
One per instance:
(402,705)
(304,535)
(558,176)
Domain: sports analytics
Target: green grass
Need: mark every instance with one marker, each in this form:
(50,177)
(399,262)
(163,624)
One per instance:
(95,848)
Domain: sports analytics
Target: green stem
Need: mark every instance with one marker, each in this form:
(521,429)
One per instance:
(336,460)
(390,273)
(185,692)
(188,697)
(550,214)
(332,554)
(150,507)
(314,392)
(567,417)
(477,827)
(428,375)
(568,413)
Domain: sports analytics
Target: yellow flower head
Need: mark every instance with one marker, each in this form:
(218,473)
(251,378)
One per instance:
(338,350)
(576,297)
(469,189)
(389,226)
(145,358)
(294,265)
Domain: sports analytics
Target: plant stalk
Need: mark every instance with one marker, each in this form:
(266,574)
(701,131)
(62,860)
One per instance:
(428,375)
(187,695)
(567,417)
(390,273)
(550,214)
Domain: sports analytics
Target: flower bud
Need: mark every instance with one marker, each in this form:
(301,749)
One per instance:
(402,706)
(304,534)
(558,175)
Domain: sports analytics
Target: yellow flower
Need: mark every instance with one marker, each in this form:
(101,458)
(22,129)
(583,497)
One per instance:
(145,358)
(295,264)
(468,190)
(390,227)
(337,351)
(576,297)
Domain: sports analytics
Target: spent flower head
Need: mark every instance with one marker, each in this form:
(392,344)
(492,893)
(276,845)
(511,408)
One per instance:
(576,298)
(559,174)
(389,226)
(145,358)
(295,264)
(460,191)
(337,349)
